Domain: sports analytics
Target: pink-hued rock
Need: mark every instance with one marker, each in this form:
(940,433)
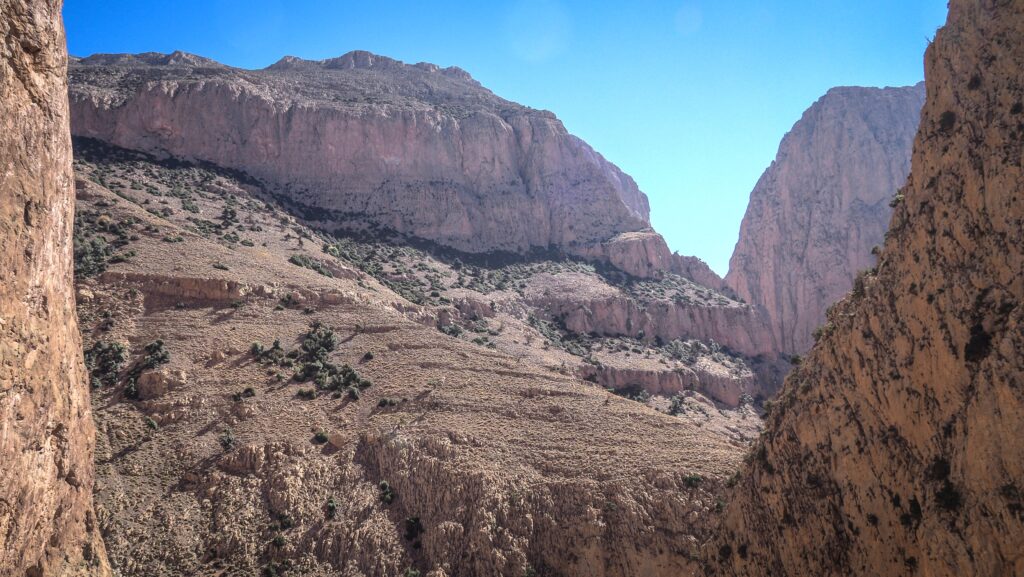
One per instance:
(711,380)
(645,254)
(364,141)
(610,311)
(822,205)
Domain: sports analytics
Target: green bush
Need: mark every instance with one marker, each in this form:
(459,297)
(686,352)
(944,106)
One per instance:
(227,439)
(693,481)
(312,264)
(104,360)
(387,494)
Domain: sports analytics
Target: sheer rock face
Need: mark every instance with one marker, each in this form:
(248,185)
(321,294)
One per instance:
(367,141)
(818,210)
(47,525)
(895,448)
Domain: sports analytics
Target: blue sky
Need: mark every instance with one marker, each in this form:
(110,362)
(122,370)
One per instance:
(690,97)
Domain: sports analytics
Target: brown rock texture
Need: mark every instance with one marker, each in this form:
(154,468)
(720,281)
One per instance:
(366,141)
(497,457)
(47,525)
(822,205)
(895,448)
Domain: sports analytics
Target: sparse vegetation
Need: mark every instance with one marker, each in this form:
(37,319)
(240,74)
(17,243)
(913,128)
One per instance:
(227,439)
(387,494)
(312,264)
(693,481)
(104,361)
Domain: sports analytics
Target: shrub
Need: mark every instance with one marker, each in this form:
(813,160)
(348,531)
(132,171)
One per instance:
(156,354)
(308,394)
(947,120)
(312,264)
(948,497)
(227,439)
(150,423)
(131,390)
(677,407)
(220,266)
(387,494)
(320,437)
(279,541)
(693,481)
(332,508)
(413,528)
(104,360)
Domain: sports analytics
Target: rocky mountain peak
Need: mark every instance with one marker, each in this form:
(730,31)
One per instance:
(365,142)
(823,204)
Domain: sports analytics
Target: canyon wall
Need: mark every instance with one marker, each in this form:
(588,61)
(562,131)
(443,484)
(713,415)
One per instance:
(822,205)
(367,142)
(47,525)
(895,448)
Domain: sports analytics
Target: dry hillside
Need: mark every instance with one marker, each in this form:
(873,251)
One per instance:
(416,414)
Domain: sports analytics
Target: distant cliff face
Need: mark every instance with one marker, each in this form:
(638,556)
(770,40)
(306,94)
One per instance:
(895,448)
(366,141)
(818,210)
(47,526)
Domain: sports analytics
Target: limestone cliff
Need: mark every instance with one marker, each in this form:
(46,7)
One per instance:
(818,210)
(47,526)
(364,141)
(895,448)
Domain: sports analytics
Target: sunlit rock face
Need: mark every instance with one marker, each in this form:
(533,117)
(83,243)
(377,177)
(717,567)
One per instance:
(367,142)
(895,448)
(47,525)
(818,210)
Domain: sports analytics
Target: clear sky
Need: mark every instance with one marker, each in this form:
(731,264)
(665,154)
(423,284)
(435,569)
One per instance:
(690,97)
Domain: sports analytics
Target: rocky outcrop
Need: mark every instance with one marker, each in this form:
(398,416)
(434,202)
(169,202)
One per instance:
(364,141)
(518,526)
(645,254)
(47,524)
(705,377)
(736,327)
(895,448)
(818,210)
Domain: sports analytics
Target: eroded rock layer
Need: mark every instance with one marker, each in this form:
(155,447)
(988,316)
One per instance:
(47,526)
(822,205)
(895,447)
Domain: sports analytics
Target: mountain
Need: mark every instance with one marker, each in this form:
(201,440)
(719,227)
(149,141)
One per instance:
(365,142)
(822,205)
(894,448)
(47,523)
